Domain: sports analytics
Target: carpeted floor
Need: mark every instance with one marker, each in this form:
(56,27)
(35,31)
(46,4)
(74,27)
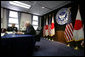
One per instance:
(53,48)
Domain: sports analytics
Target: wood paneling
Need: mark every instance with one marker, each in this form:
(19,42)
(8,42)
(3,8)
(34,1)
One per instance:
(60,36)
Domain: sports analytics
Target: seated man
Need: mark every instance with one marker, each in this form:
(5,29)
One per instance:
(13,28)
(29,29)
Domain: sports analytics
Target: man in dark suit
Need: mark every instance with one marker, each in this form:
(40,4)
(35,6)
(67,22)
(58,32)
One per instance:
(13,28)
(29,29)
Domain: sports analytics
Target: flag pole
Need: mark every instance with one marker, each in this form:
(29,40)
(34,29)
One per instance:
(68,44)
(54,28)
(78,6)
(69,8)
(76,47)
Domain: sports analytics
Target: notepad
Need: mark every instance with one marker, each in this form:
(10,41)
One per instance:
(9,32)
(2,34)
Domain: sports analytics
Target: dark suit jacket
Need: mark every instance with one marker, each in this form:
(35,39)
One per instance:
(12,29)
(30,30)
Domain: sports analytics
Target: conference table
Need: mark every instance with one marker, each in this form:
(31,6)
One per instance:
(17,44)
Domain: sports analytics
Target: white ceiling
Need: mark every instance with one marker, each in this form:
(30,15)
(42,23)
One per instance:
(36,6)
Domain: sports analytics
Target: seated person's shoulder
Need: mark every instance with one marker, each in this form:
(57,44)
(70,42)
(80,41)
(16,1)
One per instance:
(31,26)
(15,27)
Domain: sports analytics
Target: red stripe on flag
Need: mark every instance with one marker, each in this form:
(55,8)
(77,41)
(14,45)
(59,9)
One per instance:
(70,29)
(67,33)
(66,37)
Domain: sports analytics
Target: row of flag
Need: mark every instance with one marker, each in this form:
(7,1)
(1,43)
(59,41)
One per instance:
(49,28)
(75,33)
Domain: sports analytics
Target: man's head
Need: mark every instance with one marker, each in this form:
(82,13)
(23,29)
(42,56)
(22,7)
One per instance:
(27,23)
(13,25)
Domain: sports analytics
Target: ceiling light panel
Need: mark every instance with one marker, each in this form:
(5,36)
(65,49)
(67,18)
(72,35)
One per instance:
(20,4)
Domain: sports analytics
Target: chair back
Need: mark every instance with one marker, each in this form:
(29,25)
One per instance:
(3,30)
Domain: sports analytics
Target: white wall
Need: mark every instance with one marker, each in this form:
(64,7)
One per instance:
(24,17)
(3,18)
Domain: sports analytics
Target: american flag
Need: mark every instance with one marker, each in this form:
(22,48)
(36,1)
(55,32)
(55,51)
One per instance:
(69,32)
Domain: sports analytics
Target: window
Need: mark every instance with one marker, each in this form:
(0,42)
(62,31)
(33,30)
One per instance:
(35,22)
(13,19)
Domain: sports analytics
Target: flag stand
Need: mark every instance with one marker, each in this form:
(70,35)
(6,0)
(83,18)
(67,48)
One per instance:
(78,29)
(76,48)
(68,45)
(52,38)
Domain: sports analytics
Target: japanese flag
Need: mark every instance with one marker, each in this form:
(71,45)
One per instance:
(46,27)
(52,27)
(78,33)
